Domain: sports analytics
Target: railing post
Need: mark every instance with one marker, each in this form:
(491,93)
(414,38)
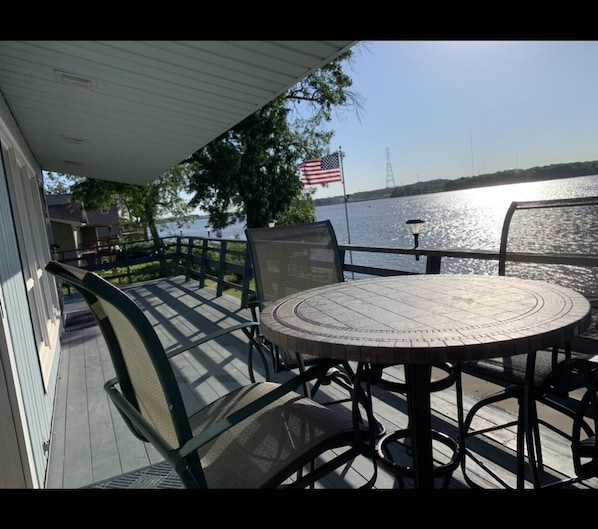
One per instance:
(221,268)
(433,264)
(178,254)
(247,277)
(341,254)
(127,264)
(203,269)
(189,258)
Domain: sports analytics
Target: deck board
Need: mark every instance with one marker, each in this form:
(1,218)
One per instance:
(91,445)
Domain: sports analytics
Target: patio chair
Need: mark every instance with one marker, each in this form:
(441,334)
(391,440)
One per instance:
(530,380)
(582,373)
(289,259)
(260,435)
(544,376)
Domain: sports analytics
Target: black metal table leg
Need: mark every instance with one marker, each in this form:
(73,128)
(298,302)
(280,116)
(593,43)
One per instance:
(417,377)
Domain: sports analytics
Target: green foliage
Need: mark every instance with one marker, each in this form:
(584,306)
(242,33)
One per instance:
(57,184)
(301,209)
(140,207)
(251,172)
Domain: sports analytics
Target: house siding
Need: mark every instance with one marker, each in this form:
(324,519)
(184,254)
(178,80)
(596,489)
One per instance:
(30,399)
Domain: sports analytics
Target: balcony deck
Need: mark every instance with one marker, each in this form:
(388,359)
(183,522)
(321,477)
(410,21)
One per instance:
(92,447)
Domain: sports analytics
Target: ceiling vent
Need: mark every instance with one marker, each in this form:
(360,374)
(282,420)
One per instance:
(74,141)
(69,79)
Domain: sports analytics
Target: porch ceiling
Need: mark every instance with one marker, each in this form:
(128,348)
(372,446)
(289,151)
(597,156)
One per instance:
(130,110)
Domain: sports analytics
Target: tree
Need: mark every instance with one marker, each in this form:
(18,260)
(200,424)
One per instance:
(56,183)
(301,209)
(251,171)
(140,207)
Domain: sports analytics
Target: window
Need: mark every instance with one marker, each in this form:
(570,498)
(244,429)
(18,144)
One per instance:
(32,226)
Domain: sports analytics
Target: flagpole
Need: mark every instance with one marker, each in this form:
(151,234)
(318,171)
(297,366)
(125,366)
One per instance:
(340,158)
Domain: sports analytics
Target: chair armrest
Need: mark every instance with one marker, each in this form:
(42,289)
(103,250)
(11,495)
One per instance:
(255,305)
(244,326)
(140,425)
(132,416)
(575,373)
(234,418)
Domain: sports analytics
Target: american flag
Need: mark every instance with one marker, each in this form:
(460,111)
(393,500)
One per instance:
(321,170)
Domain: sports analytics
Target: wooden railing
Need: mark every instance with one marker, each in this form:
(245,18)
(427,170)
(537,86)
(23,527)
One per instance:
(220,260)
(225,261)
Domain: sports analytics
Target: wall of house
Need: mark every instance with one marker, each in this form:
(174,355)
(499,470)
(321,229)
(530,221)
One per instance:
(67,238)
(64,235)
(29,351)
(103,218)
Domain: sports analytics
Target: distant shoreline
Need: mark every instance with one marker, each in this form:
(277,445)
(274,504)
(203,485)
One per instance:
(509,176)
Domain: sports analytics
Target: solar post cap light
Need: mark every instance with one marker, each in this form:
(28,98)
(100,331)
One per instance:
(415,225)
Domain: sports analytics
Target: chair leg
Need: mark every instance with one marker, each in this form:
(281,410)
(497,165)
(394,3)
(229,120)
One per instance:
(460,416)
(535,425)
(250,362)
(468,455)
(307,390)
(521,436)
(528,439)
(254,342)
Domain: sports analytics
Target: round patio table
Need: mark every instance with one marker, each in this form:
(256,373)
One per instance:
(420,320)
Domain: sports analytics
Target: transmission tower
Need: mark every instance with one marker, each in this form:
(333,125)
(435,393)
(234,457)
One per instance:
(390,179)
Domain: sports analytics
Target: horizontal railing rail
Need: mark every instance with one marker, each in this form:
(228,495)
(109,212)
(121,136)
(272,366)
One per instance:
(433,257)
(226,262)
(223,261)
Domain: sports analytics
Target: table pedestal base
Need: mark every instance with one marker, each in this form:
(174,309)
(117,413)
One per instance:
(441,470)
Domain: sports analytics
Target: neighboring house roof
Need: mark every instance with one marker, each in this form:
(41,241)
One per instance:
(62,209)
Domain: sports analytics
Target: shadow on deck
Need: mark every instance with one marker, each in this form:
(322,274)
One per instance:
(92,447)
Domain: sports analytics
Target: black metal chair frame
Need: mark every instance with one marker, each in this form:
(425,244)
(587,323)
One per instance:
(273,434)
(274,252)
(572,374)
(530,383)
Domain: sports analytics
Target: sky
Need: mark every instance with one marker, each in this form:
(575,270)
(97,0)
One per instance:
(451,109)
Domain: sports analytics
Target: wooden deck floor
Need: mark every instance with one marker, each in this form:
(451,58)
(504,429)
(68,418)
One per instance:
(91,446)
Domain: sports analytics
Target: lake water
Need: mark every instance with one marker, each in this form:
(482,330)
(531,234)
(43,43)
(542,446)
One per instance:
(466,219)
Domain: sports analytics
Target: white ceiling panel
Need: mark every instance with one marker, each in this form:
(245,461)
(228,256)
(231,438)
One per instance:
(148,105)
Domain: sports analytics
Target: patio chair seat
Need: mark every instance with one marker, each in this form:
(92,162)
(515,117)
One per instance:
(276,436)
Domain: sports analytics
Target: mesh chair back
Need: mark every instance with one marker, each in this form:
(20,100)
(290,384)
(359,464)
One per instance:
(566,228)
(289,259)
(145,377)
(559,227)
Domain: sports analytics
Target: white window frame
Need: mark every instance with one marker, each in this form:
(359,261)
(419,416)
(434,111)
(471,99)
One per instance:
(31,225)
